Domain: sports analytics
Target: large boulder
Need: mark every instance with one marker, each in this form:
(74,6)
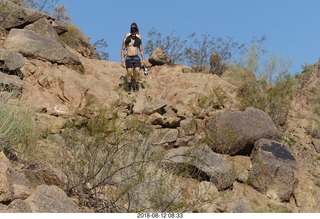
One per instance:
(15,15)
(10,60)
(274,170)
(51,199)
(202,163)
(236,132)
(44,28)
(32,44)
(159,57)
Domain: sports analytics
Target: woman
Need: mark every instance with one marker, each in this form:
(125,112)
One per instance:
(131,46)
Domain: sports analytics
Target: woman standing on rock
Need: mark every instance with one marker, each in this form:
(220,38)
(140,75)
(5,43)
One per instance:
(131,45)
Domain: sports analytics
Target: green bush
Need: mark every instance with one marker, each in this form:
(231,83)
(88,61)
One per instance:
(17,127)
(60,13)
(197,51)
(111,151)
(101,46)
(272,91)
(110,164)
(171,44)
(203,104)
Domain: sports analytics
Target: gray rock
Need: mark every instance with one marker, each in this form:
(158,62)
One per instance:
(204,164)
(189,126)
(236,132)
(21,186)
(163,136)
(59,27)
(44,28)
(18,16)
(10,60)
(51,199)
(159,57)
(19,206)
(274,170)
(155,106)
(31,44)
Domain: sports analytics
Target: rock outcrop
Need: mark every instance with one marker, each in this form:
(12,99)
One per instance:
(222,159)
(274,170)
(17,16)
(30,44)
(205,164)
(159,57)
(236,132)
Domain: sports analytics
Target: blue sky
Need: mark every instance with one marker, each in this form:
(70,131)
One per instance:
(291,26)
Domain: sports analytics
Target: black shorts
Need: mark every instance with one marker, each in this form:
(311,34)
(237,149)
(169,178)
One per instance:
(133,62)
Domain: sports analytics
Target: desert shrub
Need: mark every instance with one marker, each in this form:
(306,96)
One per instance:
(304,79)
(171,44)
(216,65)
(110,151)
(317,109)
(315,100)
(271,91)
(4,12)
(199,51)
(3,8)
(17,127)
(101,46)
(275,99)
(196,51)
(240,77)
(73,37)
(202,104)
(111,167)
(313,127)
(60,14)
(307,68)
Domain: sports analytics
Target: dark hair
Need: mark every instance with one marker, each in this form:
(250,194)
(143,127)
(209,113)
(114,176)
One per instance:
(134,25)
(134,30)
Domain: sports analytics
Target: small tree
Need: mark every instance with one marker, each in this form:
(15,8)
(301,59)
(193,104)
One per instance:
(198,53)
(272,91)
(171,44)
(101,46)
(60,13)
(216,65)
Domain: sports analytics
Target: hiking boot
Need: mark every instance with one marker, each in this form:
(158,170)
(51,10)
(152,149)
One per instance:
(127,87)
(134,86)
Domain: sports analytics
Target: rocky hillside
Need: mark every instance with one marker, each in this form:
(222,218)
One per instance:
(178,144)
